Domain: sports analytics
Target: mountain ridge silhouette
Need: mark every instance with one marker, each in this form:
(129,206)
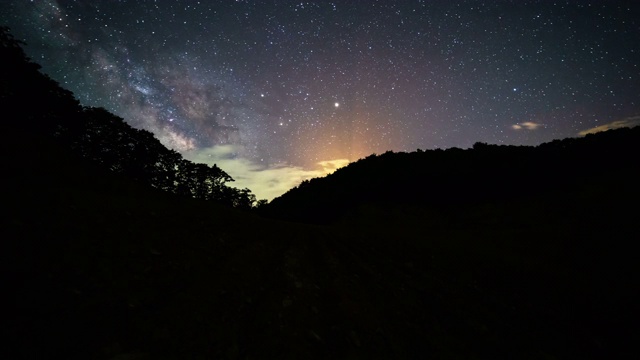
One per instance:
(96,262)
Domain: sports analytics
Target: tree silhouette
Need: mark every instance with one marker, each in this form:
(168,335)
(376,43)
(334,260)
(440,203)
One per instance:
(98,136)
(456,178)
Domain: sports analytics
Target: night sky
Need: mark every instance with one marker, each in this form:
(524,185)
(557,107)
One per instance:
(275,92)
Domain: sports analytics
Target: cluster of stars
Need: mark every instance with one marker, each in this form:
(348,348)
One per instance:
(303,81)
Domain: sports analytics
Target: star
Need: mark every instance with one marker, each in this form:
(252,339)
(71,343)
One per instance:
(416,74)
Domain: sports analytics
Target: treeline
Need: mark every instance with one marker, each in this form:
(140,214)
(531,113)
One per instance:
(39,113)
(453,179)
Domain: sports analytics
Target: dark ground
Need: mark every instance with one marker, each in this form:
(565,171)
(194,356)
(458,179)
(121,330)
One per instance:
(96,267)
(422,255)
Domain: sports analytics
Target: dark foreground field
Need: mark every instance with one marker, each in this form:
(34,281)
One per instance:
(95,267)
(492,252)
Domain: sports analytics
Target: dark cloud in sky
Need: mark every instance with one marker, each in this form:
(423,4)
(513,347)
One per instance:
(263,77)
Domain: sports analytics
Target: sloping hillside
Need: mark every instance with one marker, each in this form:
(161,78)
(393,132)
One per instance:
(491,253)
(455,177)
(98,267)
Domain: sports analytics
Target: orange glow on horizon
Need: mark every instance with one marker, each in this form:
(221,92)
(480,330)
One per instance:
(330,166)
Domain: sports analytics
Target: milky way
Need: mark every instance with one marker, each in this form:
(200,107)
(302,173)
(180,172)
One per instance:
(274,88)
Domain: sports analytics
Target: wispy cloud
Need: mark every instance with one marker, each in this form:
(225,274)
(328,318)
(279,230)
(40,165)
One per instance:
(626,122)
(266,182)
(330,166)
(528,125)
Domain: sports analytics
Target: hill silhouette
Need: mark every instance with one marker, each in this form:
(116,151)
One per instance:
(455,178)
(492,252)
(41,116)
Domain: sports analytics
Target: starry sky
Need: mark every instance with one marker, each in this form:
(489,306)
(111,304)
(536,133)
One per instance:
(276,92)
